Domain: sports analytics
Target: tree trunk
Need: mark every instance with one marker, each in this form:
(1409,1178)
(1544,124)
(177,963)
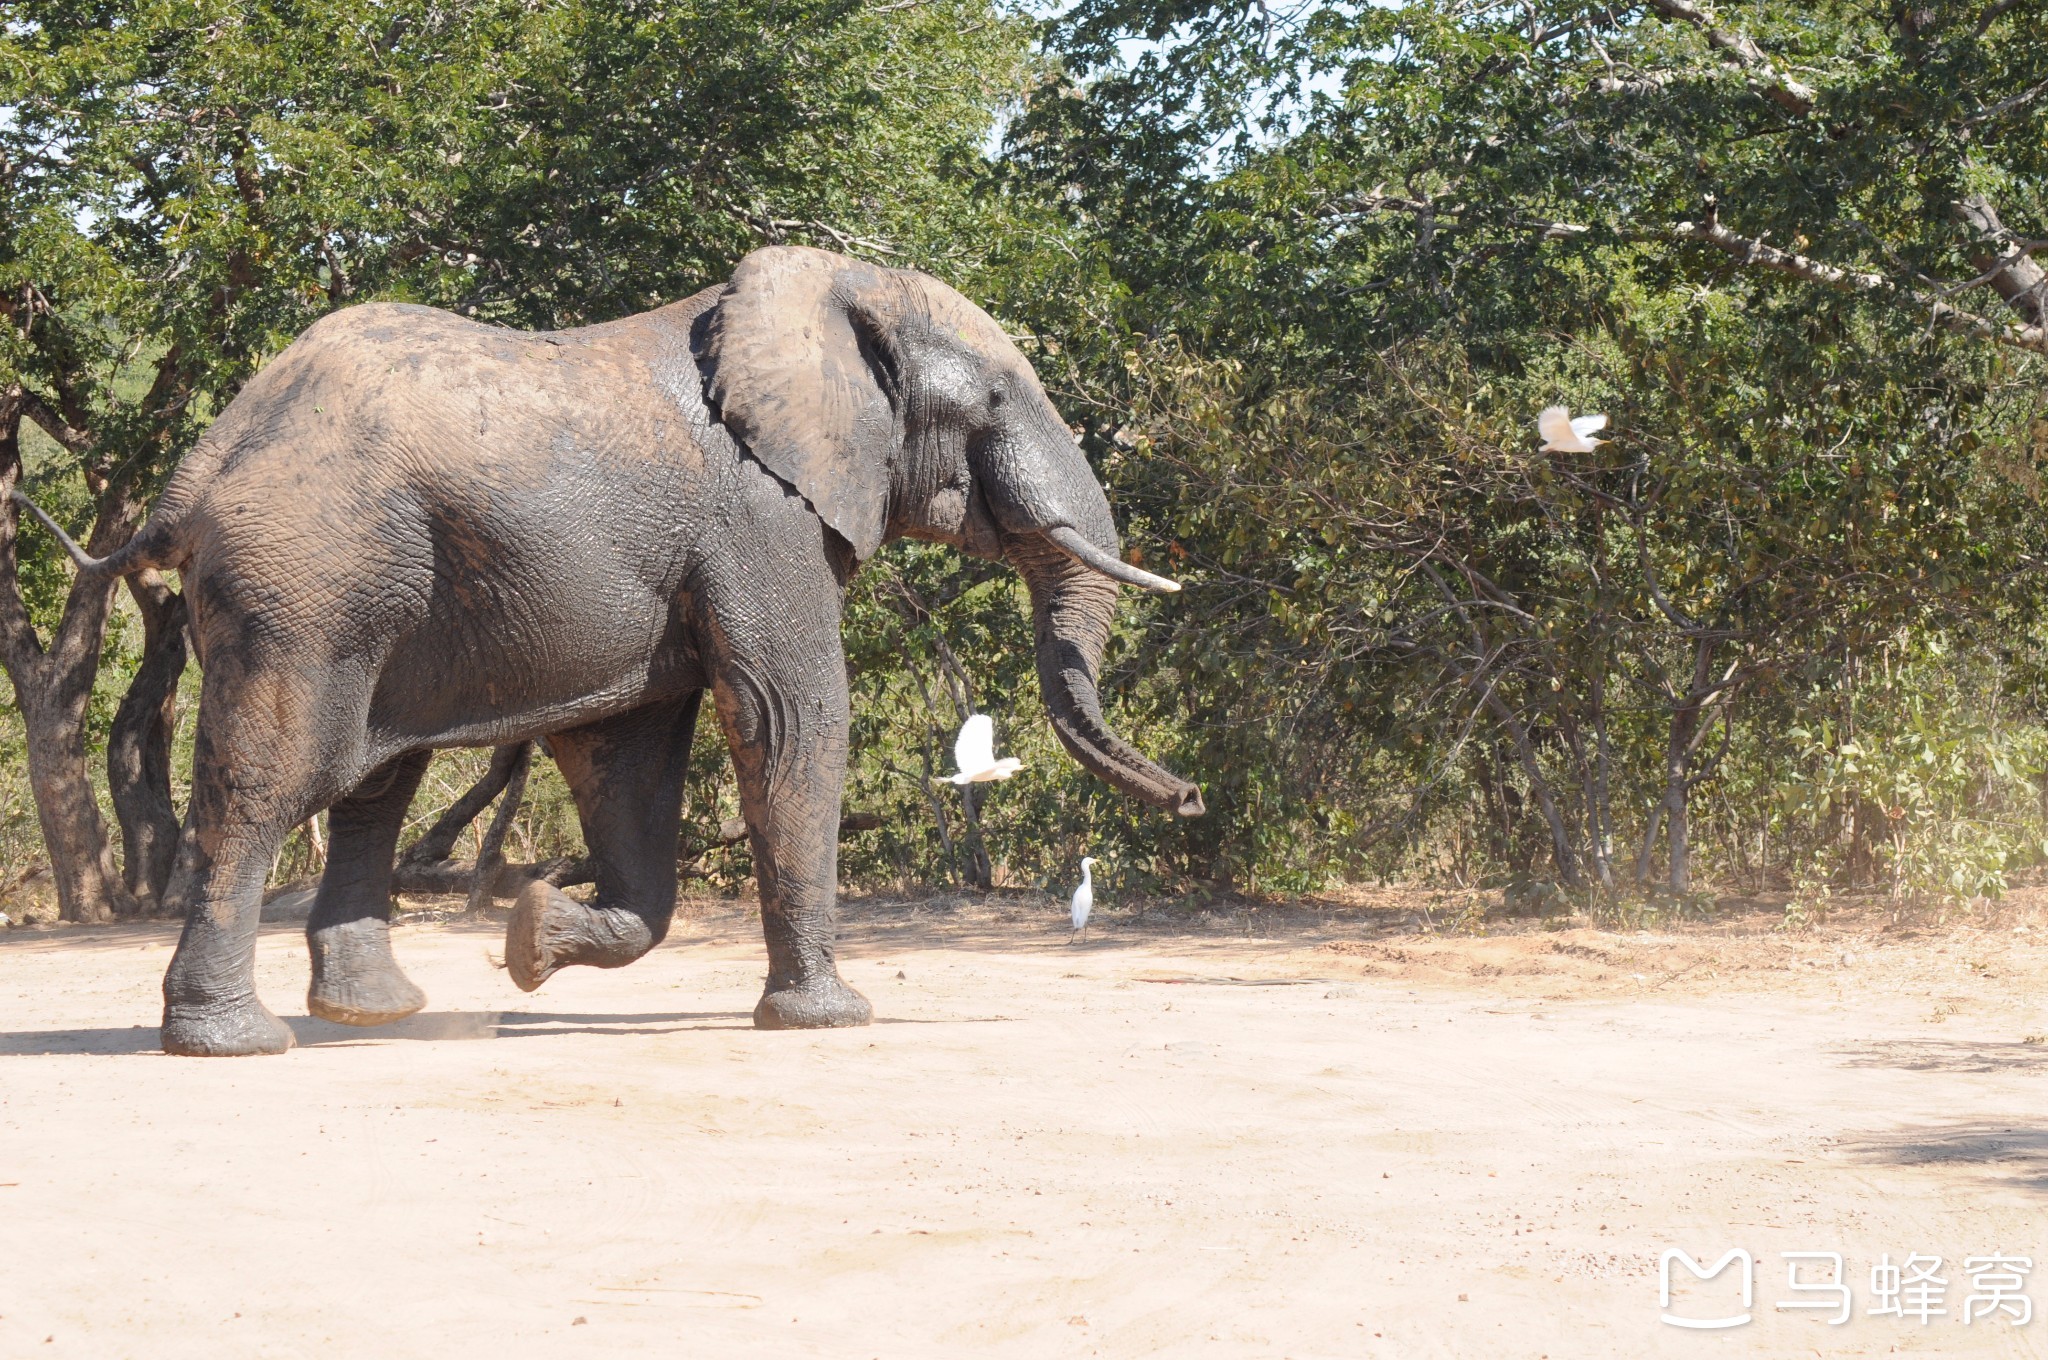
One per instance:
(980,872)
(1678,829)
(1560,839)
(1603,811)
(1591,793)
(1647,855)
(490,855)
(1678,753)
(1493,786)
(53,689)
(931,793)
(139,748)
(439,840)
(53,701)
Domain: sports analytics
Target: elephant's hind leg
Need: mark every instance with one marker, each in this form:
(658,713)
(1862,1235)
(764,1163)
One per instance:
(627,775)
(356,981)
(272,748)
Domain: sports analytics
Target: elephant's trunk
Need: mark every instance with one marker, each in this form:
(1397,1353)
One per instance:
(1071,607)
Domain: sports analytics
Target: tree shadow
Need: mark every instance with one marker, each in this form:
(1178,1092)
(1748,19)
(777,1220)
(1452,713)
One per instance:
(2015,1155)
(1947,1055)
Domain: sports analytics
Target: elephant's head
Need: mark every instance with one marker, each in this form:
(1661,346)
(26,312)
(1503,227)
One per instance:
(897,407)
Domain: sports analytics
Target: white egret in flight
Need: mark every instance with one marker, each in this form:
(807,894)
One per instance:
(1565,433)
(975,751)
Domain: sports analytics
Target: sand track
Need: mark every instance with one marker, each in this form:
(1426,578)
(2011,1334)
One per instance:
(1329,1141)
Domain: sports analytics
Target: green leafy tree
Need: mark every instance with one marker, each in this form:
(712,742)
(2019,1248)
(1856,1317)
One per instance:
(186,184)
(1332,260)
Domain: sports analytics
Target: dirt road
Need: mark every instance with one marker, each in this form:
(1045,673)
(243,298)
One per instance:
(1339,1139)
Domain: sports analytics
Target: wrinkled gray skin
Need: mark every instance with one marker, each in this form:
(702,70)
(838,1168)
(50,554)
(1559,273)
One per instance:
(412,531)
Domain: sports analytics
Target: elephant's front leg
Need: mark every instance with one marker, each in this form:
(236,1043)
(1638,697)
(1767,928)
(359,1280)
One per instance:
(781,696)
(627,774)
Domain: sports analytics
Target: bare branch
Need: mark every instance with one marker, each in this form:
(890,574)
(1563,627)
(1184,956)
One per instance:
(339,285)
(1993,15)
(73,439)
(1774,83)
(1754,252)
(2008,265)
(1650,82)
(2007,105)
(19,645)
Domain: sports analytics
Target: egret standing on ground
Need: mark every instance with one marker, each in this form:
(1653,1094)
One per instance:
(1084,899)
(1565,433)
(975,751)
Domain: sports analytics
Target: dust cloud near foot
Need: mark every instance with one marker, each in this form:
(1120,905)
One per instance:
(1324,1131)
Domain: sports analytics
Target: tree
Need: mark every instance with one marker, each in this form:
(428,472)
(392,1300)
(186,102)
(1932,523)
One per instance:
(187,184)
(1332,262)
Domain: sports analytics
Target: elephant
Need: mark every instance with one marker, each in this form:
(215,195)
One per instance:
(412,531)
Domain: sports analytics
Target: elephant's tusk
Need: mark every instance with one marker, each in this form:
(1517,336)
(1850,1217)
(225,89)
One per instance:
(1088,555)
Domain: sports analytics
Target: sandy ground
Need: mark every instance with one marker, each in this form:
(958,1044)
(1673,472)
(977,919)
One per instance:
(1320,1132)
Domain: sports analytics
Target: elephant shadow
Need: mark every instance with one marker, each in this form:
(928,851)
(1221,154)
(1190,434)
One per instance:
(48,1043)
(459,1026)
(426,1027)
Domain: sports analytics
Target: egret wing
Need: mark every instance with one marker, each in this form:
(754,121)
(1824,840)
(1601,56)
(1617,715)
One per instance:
(1555,425)
(975,750)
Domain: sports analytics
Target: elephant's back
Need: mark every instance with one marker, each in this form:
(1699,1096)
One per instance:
(401,473)
(384,390)
(390,382)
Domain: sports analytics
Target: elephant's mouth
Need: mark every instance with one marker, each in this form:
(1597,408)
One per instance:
(1070,542)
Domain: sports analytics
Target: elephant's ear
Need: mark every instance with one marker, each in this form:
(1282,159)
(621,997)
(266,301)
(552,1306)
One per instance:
(796,362)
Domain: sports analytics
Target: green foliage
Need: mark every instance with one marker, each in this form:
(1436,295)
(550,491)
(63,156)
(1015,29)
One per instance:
(1323,267)
(1915,776)
(1301,279)
(190,183)
(185,185)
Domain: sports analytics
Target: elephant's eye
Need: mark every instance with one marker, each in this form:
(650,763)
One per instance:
(995,396)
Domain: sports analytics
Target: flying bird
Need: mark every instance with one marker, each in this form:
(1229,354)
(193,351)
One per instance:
(1565,433)
(1084,899)
(975,752)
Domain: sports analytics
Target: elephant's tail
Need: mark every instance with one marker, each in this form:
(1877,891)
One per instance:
(139,553)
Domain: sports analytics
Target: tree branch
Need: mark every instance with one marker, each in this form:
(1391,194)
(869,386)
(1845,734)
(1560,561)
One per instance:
(2007,105)
(2008,266)
(19,645)
(1748,251)
(73,439)
(1742,49)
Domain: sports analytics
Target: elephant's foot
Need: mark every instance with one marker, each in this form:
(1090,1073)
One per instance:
(365,999)
(550,931)
(237,1029)
(356,981)
(823,1003)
